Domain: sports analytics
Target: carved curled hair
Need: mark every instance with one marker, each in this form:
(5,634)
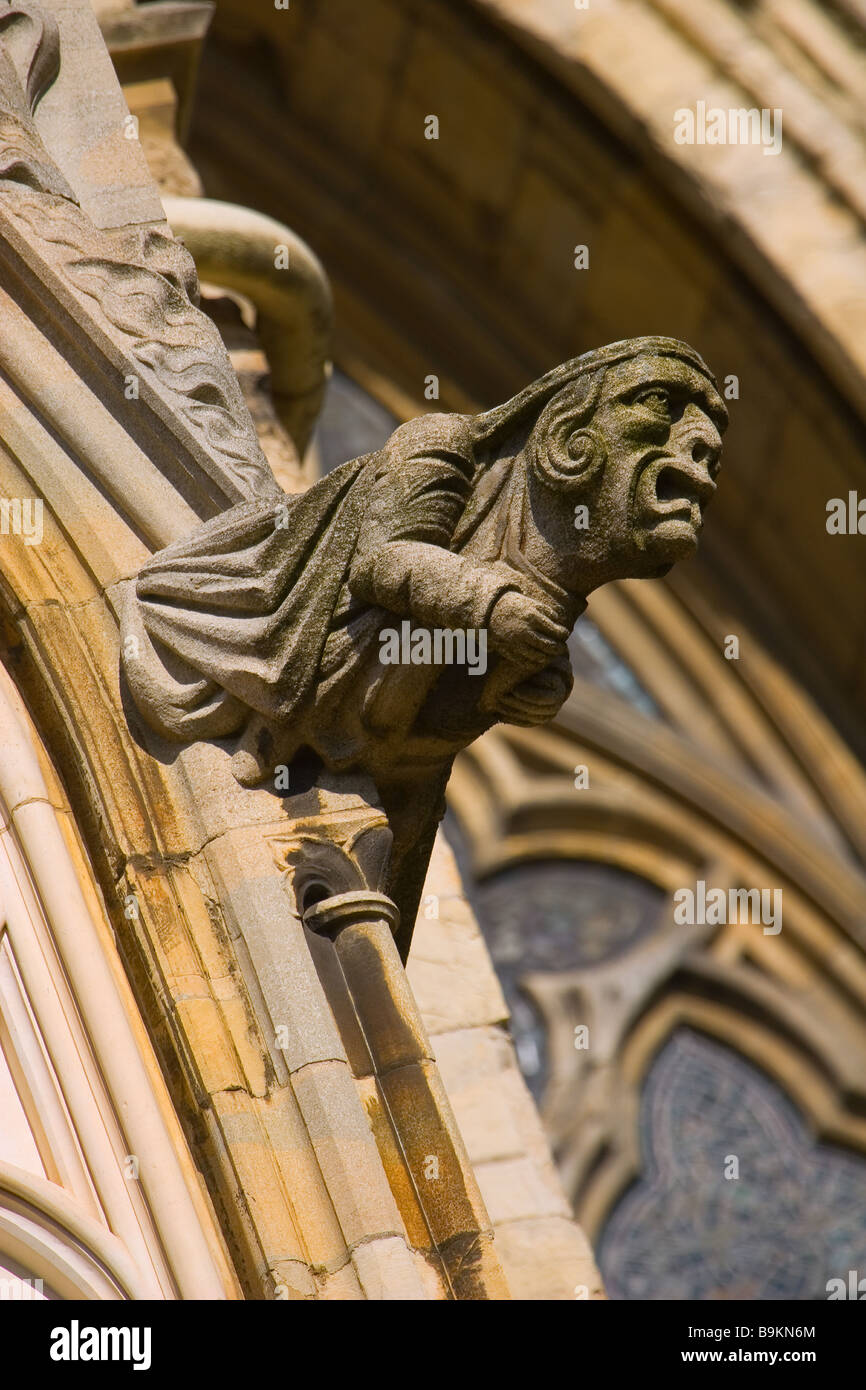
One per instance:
(563,448)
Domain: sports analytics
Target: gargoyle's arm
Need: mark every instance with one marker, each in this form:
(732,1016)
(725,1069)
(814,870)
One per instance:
(403,562)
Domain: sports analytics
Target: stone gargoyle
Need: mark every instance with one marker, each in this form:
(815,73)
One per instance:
(310,624)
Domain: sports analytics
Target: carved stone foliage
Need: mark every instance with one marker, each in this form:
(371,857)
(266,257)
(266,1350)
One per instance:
(313,622)
(135,286)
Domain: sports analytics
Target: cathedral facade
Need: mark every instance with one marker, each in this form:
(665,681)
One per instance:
(266,1032)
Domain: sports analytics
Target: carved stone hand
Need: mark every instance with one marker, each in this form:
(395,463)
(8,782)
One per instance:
(524,630)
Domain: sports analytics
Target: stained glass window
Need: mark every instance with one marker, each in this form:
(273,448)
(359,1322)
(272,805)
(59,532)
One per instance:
(594,659)
(549,916)
(789,1217)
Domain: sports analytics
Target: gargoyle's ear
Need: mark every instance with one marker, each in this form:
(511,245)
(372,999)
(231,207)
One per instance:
(568,458)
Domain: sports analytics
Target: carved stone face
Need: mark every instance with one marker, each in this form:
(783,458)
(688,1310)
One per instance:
(660,422)
(644,467)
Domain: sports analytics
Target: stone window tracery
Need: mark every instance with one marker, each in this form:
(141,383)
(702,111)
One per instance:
(791,1221)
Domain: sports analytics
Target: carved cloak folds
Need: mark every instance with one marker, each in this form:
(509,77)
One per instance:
(235,617)
(270,607)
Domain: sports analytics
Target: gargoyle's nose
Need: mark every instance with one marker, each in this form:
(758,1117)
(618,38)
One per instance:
(694,446)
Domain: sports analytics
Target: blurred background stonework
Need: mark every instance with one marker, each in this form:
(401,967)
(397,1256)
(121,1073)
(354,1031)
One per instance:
(604,1063)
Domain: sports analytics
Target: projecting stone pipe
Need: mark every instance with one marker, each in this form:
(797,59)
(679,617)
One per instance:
(266,261)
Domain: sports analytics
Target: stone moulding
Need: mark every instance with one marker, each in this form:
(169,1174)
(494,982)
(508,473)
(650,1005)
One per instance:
(160,1244)
(238,249)
(148,355)
(129,294)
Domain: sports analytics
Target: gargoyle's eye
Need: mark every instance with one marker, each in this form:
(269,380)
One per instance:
(656,399)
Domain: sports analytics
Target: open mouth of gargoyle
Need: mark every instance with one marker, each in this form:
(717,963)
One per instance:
(666,492)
